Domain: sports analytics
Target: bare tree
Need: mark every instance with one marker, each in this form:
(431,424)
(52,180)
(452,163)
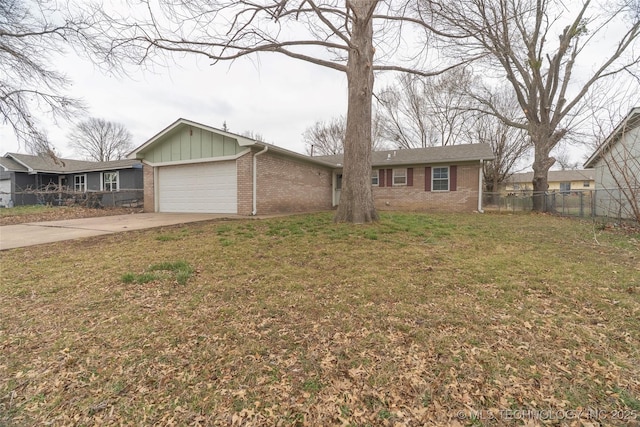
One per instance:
(510,145)
(405,115)
(257,136)
(329,33)
(426,112)
(564,160)
(30,32)
(100,140)
(327,138)
(517,39)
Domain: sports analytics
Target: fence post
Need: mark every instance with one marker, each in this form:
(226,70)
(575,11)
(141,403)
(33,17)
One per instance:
(581,204)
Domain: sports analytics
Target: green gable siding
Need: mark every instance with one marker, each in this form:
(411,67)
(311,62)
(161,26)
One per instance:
(230,147)
(207,146)
(196,151)
(218,146)
(187,143)
(185,148)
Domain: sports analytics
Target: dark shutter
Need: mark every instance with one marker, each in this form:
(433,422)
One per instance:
(380,177)
(453,178)
(389,177)
(409,177)
(427,178)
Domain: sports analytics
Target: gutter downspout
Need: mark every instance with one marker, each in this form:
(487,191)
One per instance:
(255,180)
(480,179)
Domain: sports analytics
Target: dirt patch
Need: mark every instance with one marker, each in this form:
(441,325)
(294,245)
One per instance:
(62,213)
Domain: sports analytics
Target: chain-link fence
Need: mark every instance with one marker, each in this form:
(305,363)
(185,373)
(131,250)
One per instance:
(601,203)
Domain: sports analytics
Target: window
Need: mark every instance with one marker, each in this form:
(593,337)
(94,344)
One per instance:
(565,187)
(586,184)
(110,180)
(440,179)
(80,183)
(374,178)
(399,177)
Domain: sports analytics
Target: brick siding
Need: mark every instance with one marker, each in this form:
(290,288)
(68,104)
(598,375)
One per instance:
(244,168)
(415,198)
(289,185)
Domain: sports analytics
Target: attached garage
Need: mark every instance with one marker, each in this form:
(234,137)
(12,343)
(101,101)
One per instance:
(201,187)
(190,167)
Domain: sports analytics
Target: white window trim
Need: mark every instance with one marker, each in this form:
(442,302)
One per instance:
(393,181)
(102,183)
(84,183)
(433,180)
(375,174)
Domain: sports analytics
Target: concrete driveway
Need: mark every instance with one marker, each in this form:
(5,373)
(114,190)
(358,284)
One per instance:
(36,233)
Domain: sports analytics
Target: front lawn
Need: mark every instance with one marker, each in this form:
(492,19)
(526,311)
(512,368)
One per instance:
(416,320)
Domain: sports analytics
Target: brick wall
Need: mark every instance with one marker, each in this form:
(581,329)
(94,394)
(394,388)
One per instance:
(244,168)
(415,198)
(289,185)
(149,199)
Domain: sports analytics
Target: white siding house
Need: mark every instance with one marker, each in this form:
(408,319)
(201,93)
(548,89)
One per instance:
(617,170)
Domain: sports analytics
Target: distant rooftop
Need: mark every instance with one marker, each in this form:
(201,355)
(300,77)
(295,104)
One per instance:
(555,176)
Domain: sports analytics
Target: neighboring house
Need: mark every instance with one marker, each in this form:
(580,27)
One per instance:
(191,167)
(28,180)
(561,181)
(617,170)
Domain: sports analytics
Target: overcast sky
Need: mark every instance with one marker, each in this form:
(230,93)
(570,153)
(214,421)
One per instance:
(277,98)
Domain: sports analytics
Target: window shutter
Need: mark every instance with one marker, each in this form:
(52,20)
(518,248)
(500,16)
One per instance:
(427,178)
(453,179)
(380,177)
(410,177)
(389,177)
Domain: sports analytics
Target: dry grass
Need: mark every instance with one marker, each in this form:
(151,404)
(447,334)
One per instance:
(38,213)
(416,320)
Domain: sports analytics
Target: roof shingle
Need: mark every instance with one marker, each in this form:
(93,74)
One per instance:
(445,154)
(44,163)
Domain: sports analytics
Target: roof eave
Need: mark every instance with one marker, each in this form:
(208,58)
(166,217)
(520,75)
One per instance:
(429,162)
(98,169)
(611,138)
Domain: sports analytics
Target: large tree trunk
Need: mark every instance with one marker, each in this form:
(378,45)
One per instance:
(542,162)
(356,199)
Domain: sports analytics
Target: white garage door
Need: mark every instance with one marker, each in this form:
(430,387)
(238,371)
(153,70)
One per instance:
(202,187)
